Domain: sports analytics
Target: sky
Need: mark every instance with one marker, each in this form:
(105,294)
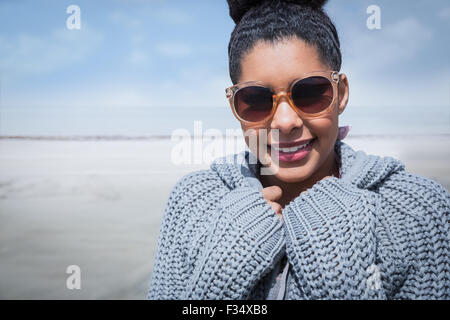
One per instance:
(142,67)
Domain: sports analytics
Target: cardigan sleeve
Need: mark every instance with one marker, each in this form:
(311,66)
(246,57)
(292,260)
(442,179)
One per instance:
(348,243)
(217,249)
(331,242)
(416,225)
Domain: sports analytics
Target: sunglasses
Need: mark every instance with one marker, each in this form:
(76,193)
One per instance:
(312,95)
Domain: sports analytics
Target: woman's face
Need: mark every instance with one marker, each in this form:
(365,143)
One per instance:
(278,65)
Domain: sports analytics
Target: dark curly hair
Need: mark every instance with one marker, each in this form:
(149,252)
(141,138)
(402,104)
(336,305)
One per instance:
(276,20)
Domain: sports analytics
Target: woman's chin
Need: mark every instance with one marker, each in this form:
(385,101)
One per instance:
(284,173)
(292,175)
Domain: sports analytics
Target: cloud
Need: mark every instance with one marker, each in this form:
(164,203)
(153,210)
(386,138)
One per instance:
(428,89)
(174,49)
(194,86)
(141,1)
(166,15)
(198,85)
(125,21)
(381,49)
(385,67)
(26,54)
(444,13)
(173,16)
(139,57)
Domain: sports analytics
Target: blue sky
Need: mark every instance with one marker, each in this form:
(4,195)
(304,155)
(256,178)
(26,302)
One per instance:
(151,66)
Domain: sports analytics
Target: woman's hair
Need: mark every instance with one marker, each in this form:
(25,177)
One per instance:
(277,20)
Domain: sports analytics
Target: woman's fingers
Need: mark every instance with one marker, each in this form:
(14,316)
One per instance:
(275,207)
(272,193)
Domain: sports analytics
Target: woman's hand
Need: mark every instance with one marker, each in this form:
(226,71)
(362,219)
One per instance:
(272,194)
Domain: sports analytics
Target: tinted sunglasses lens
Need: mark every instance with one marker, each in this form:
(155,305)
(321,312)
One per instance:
(312,95)
(253,103)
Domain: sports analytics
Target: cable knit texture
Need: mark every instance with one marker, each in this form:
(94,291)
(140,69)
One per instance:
(378,232)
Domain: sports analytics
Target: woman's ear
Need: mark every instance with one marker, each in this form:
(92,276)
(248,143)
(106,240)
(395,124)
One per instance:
(343,92)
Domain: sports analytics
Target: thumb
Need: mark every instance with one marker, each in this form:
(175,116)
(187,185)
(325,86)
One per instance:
(272,193)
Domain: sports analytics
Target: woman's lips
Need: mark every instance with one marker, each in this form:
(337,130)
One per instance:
(292,143)
(296,155)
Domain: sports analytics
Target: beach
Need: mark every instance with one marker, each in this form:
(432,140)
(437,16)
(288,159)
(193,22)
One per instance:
(98,204)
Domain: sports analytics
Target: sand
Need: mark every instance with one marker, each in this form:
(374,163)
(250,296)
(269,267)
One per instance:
(98,205)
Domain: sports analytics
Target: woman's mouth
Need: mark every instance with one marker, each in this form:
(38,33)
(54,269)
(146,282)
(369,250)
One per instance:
(293,152)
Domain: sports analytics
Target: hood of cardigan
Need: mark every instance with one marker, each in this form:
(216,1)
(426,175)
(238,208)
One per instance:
(356,167)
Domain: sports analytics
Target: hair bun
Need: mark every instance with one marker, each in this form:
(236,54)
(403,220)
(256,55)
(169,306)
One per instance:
(239,7)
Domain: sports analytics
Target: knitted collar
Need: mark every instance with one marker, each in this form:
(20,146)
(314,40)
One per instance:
(356,167)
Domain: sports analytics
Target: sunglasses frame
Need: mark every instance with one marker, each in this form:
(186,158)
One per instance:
(332,76)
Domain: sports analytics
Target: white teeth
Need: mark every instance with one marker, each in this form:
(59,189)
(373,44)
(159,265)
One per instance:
(293,149)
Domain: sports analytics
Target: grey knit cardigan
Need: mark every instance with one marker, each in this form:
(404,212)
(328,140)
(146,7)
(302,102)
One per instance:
(377,232)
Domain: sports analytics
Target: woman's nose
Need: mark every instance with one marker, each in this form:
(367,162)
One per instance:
(285,118)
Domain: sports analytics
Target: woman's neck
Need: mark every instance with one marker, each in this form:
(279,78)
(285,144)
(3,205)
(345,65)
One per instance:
(293,190)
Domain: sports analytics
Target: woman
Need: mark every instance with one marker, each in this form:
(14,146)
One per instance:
(325,222)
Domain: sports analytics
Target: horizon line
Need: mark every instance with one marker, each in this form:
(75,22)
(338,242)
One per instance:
(168,137)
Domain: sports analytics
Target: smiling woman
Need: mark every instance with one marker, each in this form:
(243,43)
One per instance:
(308,116)
(327,222)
